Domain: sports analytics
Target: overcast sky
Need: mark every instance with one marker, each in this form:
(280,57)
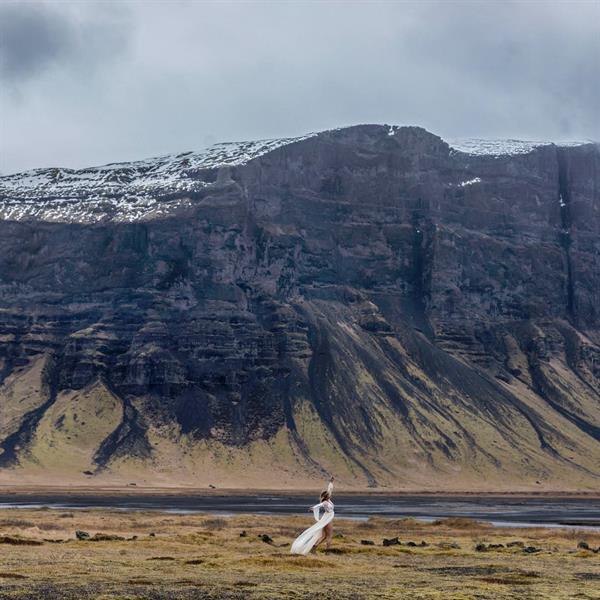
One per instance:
(85,83)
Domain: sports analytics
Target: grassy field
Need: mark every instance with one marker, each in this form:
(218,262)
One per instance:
(159,555)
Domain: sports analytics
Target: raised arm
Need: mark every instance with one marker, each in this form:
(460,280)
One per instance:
(330,487)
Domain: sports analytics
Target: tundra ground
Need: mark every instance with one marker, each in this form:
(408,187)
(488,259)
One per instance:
(151,555)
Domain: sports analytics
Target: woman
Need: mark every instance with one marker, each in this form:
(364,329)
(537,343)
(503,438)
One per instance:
(322,529)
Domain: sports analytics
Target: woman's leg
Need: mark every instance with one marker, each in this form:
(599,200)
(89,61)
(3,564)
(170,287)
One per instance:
(328,531)
(321,539)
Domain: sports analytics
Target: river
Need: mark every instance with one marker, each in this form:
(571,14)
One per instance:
(502,511)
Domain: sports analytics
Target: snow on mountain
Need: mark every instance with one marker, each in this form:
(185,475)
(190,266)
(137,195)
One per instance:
(154,187)
(481,147)
(121,191)
(470,182)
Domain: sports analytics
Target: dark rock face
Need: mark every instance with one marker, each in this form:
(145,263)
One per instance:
(405,313)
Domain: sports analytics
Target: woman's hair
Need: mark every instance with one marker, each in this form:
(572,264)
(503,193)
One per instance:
(324,495)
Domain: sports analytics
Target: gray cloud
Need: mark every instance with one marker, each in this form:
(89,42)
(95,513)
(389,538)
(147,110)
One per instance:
(119,81)
(31,37)
(35,37)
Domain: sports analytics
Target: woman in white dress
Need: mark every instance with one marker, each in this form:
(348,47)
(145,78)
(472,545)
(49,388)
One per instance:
(322,530)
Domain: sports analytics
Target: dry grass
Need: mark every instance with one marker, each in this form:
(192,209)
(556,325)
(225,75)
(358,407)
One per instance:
(203,557)
(214,523)
(460,523)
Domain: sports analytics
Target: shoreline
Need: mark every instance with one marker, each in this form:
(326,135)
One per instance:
(125,490)
(516,509)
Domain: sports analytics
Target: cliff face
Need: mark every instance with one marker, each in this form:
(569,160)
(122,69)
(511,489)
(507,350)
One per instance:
(367,301)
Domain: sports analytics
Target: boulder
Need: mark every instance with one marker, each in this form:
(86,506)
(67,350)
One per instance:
(391,541)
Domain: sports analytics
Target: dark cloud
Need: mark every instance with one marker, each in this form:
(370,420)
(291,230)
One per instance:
(35,37)
(31,37)
(111,81)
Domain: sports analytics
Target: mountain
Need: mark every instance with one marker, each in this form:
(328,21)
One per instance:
(371,302)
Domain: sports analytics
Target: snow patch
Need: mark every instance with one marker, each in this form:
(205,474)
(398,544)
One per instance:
(470,181)
(481,147)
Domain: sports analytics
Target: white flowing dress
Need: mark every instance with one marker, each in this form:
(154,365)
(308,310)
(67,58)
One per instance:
(309,537)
